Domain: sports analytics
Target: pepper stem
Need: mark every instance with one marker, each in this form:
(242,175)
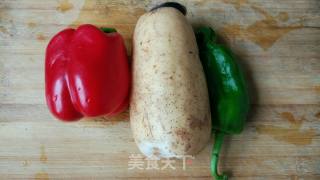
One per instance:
(108,30)
(218,140)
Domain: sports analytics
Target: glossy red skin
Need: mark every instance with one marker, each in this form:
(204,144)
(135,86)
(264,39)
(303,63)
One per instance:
(86,73)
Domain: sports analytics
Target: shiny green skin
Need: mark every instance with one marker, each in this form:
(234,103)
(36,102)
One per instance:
(229,99)
(228,93)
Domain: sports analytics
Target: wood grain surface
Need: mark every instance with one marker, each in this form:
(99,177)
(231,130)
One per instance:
(276,42)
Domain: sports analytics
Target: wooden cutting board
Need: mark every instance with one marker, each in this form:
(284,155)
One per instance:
(277,42)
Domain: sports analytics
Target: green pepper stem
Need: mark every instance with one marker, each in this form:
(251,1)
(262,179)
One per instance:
(108,30)
(218,140)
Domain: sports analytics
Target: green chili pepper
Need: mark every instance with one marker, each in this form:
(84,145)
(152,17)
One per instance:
(229,99)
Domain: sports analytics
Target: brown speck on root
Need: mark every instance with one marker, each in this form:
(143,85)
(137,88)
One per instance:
(183,134)
(174,145)
(187,147)
(197,123)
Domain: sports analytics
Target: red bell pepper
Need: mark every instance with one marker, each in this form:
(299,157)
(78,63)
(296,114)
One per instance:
(86,73)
